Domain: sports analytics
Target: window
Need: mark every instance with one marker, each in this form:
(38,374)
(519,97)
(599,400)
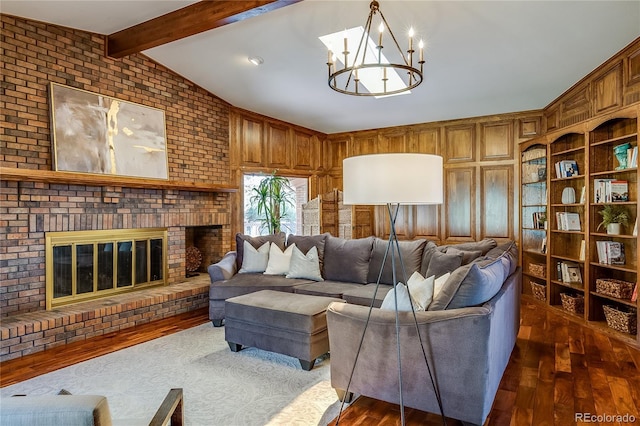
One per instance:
(297,193)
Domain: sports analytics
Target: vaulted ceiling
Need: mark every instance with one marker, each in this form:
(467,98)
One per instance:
(483,57)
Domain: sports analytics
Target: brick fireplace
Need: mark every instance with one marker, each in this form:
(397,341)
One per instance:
(30,210)
(197,130)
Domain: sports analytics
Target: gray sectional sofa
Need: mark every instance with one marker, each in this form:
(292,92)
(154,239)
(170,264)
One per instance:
(350,268)
(469,328)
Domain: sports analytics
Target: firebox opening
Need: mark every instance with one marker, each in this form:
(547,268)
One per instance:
(205,241)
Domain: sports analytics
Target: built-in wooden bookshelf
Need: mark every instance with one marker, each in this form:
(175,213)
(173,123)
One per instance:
(567,167)
(569,196)
(603,140)
(533,219)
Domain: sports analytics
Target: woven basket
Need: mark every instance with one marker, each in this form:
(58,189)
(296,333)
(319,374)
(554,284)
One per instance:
(619,320)
(537,269)
(572,303)
(614,288)
(539,291)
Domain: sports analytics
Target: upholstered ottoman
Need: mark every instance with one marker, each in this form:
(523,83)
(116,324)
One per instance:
(287,323)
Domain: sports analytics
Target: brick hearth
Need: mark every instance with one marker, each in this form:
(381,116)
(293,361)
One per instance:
(28,333)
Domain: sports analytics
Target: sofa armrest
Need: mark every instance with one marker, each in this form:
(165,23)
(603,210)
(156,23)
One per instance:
(224,269)
(55,410)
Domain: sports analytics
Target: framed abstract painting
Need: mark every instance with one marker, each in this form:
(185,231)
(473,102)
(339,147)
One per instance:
(99,134)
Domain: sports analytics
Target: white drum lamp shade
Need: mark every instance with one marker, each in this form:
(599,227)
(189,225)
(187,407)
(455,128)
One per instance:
(401,178)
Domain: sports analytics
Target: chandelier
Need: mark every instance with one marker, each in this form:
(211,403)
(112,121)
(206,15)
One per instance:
(368,72)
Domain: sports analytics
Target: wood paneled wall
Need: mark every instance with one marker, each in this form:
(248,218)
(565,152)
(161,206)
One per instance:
(480,154)
(260,144)
(611,86)
(480,168)
(479,160)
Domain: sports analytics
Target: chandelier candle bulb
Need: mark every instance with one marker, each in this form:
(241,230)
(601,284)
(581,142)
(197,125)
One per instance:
(411,39)
(381,29)
(421,46)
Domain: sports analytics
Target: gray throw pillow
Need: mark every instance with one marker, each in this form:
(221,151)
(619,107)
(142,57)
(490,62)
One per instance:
(429,248)
(508,252)
(305,242)
(347,260)
(468,256)
(411,252)
(470,285)
(256,242)
(441,263)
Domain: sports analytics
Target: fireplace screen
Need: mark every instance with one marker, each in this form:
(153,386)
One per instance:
(89,264)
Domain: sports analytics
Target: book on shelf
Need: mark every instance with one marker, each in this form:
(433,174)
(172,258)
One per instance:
(610,252)
(583,249)
(568,221)
(634,295)
(566,168)
(539,220)
(635,228)
(582,195)
(610,190)
(632,157)
(573,273)
(543,246)
(619,191)
(600,192)
(568,272)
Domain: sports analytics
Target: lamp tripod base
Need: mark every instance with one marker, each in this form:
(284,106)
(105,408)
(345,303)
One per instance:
(393,247)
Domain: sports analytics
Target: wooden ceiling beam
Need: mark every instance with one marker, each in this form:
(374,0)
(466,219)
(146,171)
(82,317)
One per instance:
(190,20)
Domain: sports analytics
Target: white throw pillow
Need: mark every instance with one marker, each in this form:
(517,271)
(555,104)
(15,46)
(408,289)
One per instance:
(404,300)
(305,265)
(254,260)
(439,283)
(421,290)
(279,260)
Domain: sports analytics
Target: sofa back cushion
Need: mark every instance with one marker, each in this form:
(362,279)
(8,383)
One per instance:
(429,249)
(468,256)
(305,242)
(441,263)
(470,285)
(483,246)
(256,242)
(411,252)
(347,260)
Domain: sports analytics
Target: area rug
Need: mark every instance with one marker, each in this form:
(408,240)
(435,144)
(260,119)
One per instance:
(250,387)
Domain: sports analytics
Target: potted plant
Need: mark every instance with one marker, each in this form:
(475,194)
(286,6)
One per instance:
(613,216)
(271,197)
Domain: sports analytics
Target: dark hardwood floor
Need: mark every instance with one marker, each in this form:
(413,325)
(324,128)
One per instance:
(558,368)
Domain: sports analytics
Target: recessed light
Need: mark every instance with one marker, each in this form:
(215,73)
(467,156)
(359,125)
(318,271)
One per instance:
(256,60)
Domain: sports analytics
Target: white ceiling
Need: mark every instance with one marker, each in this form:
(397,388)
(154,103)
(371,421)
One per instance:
(483,57)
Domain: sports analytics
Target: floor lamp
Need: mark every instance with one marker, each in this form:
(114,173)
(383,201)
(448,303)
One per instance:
(394,180)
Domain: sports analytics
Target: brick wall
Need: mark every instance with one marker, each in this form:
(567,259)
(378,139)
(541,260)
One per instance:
(33,54)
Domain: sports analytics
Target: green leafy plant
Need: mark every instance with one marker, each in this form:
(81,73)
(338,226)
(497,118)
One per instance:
(271,197)
(612,213)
